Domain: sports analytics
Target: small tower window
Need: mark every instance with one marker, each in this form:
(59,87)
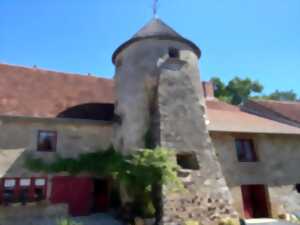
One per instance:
(188,161)
(173,53)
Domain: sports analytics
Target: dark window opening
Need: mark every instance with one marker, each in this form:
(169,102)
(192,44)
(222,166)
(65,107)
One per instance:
(117,119)
(39,194)
(24,196)
(297,187)
(47,141)
(188,161)
(90,111)
(245,150)
(8,196)
(173,53)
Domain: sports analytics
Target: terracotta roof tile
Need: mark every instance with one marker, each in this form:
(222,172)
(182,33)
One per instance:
(42,93)
(286,109)
(227,118)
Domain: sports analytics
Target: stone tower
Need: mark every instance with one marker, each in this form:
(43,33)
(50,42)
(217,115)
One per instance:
(159,94)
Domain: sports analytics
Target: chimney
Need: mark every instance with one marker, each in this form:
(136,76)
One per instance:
(208,89)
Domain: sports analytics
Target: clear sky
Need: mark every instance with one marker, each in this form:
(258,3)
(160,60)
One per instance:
(255,38)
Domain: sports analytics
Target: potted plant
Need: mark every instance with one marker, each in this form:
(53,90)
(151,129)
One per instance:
(149,213)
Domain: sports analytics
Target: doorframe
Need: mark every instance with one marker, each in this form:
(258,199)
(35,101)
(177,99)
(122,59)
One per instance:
(267,199)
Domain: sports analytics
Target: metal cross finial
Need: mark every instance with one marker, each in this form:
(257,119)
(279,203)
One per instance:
(155,2)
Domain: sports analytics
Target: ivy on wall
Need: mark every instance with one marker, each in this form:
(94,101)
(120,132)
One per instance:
(138,171)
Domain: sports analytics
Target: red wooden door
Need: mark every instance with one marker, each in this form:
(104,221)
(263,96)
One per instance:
(255,201)
(247,203)
(76,192)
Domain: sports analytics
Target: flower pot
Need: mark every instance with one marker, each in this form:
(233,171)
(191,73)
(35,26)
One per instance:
(138,221)
(149,221)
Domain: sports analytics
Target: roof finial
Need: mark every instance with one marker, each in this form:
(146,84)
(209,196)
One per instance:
(155,3)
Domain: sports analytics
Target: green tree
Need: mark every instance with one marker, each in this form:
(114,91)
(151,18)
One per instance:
(283,95)
(237,90)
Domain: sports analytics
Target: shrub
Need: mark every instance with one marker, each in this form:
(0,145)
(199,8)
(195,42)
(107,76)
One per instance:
(229,221)
(138,172)
(191,222)
(67,221)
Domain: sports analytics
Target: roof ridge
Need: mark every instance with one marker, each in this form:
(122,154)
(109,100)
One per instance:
(54,71)
(276,101)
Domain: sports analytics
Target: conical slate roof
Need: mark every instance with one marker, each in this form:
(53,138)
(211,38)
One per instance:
(156,29)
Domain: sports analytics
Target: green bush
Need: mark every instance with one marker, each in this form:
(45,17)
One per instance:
(67,221)
(138,172)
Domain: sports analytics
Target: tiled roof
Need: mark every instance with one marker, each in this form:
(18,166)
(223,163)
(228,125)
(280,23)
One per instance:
(286,109)
(35,92)
(227,118)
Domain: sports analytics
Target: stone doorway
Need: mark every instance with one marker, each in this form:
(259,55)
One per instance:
(101,195)
(255,201)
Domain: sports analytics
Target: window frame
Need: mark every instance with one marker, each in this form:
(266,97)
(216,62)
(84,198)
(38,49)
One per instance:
(39,149)
(18,188)
(243,141)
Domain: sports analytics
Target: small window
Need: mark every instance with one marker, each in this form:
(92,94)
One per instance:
(188,161)
(47,141)
(24,194)
(9,191)
(22,190)
(39,189)
(297,187)
(173,53)
(245,150)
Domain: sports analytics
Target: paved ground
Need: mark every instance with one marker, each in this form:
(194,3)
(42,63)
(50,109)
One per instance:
(96,219)
(267,222)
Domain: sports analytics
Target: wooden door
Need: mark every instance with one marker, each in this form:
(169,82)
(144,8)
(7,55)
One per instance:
(255,201)
(74,191)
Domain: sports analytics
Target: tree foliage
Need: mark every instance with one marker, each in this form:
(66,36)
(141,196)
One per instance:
(136,172)
(283,95)
(238,90)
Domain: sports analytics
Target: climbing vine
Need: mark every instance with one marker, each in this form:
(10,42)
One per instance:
(138,171)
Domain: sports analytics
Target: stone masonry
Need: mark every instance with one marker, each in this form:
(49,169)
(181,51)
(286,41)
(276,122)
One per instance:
(160,92)
(183,129)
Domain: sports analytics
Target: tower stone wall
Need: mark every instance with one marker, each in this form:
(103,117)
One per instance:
(162,95)
(183,129)
(136,77)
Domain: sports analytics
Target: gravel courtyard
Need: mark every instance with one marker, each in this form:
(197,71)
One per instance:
(96,219)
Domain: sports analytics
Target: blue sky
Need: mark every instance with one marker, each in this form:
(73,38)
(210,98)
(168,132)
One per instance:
(255,38)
